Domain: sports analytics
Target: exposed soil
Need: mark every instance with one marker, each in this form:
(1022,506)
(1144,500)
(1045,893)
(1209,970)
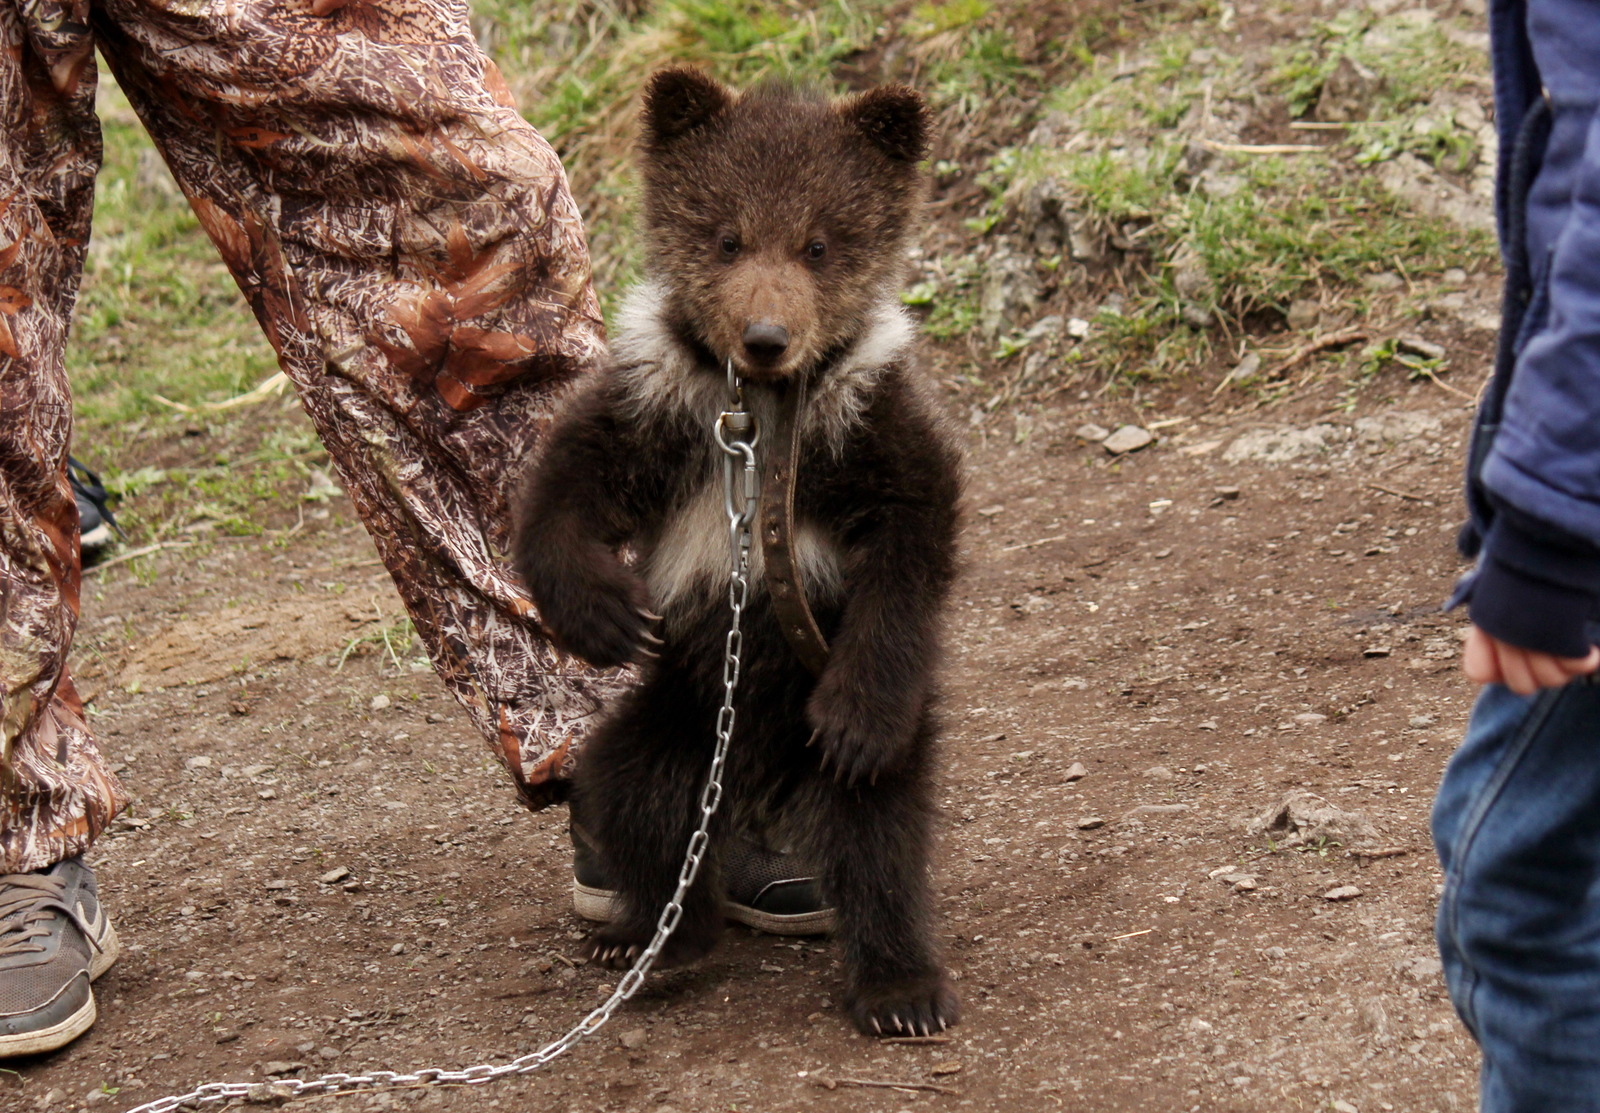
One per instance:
(1201,629)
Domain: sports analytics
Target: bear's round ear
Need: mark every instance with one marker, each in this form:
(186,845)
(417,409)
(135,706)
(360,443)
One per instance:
(895,119)
(677,101)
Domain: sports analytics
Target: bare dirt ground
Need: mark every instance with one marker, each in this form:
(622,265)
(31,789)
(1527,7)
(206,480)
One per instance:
(323,869)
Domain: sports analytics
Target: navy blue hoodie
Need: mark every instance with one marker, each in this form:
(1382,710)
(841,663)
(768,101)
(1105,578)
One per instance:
(1533,477)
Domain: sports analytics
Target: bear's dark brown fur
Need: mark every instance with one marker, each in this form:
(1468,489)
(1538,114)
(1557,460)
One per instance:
(776,225)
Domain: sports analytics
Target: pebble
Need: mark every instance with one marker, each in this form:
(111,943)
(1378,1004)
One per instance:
(279,1066)
(379,703)
(1209,724)
(1309,717)
(1421,969)
(1077,328)
(1160,773)
(1304,313)
(398,949)
(1076,771)
(1160,809)
(276,885)
(1420,721)
(634,1038)
(1092,432)
(256,770)
(1129,438)
(1226,494)
(1089,823)
(197,763)
(334,875)
(1376,651)
(990,511)
(328,1053)
(1343,892)
(54,1097)
(96,1096)
(1344,1107)
(269,1093)
(1427,349)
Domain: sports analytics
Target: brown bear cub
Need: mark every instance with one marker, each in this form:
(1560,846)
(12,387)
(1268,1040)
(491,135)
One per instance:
(776,225)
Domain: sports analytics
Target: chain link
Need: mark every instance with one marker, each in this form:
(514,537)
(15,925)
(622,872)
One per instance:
(736,435)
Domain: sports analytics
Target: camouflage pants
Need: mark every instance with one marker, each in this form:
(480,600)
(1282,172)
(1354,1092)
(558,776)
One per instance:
(411,249)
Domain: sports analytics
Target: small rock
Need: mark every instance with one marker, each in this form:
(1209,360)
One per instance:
(328,1053)
(1076,771)
(1245,885)
(1310,717)
(634,1038)
(1383,280)
(267,794)
(398,949)
(379,702)
(1077,328)
(279,1066)
(1226,494)
(334,875)
(1092,433)
(1160,809)
(1129,438)
(1427,349)
(1376,651)
(1344,1107)
(1245,369)
(1301,817)
(1420,721)
(990,511)
(1160,773)
(53,1097)
(269,1093)
(197,763)
(1304,313)
(1343,892)
(276,885)
(1209,724)
(1421,969)
(1274,954)
(96,1096)
(1089,823)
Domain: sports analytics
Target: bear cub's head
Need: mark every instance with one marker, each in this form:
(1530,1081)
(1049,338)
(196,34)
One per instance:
(776,221)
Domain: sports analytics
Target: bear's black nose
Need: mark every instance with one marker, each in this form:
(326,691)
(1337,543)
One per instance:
(765,342)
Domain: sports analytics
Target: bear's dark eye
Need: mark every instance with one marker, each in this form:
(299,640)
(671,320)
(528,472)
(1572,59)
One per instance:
(730,247)
(815,250)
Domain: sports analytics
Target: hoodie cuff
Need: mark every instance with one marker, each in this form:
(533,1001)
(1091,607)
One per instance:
(1533,592)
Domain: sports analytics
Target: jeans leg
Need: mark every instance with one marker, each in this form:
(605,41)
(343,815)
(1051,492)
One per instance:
(1517,827)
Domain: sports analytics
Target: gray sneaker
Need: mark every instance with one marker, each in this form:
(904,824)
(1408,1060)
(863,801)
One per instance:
(54,940)
(765,889)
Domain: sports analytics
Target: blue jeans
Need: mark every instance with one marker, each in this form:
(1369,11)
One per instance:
(1517,827)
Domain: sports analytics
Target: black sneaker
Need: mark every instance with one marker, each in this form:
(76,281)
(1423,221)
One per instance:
(54,940)
(95,520)
(766,889)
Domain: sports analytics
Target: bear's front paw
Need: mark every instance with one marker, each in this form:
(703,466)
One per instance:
(855,742)
(923,1006)
(607,623)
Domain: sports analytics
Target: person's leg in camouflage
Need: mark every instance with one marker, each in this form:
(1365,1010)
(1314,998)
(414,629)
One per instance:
(56,793)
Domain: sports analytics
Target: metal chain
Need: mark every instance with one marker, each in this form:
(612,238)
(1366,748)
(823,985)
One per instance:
(736,435)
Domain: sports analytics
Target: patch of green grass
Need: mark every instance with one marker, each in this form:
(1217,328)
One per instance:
(1410,60)
(158,313)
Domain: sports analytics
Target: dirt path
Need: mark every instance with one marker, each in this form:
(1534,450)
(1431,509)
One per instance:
(324,870)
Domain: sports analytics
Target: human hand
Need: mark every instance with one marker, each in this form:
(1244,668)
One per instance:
(1488,660)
